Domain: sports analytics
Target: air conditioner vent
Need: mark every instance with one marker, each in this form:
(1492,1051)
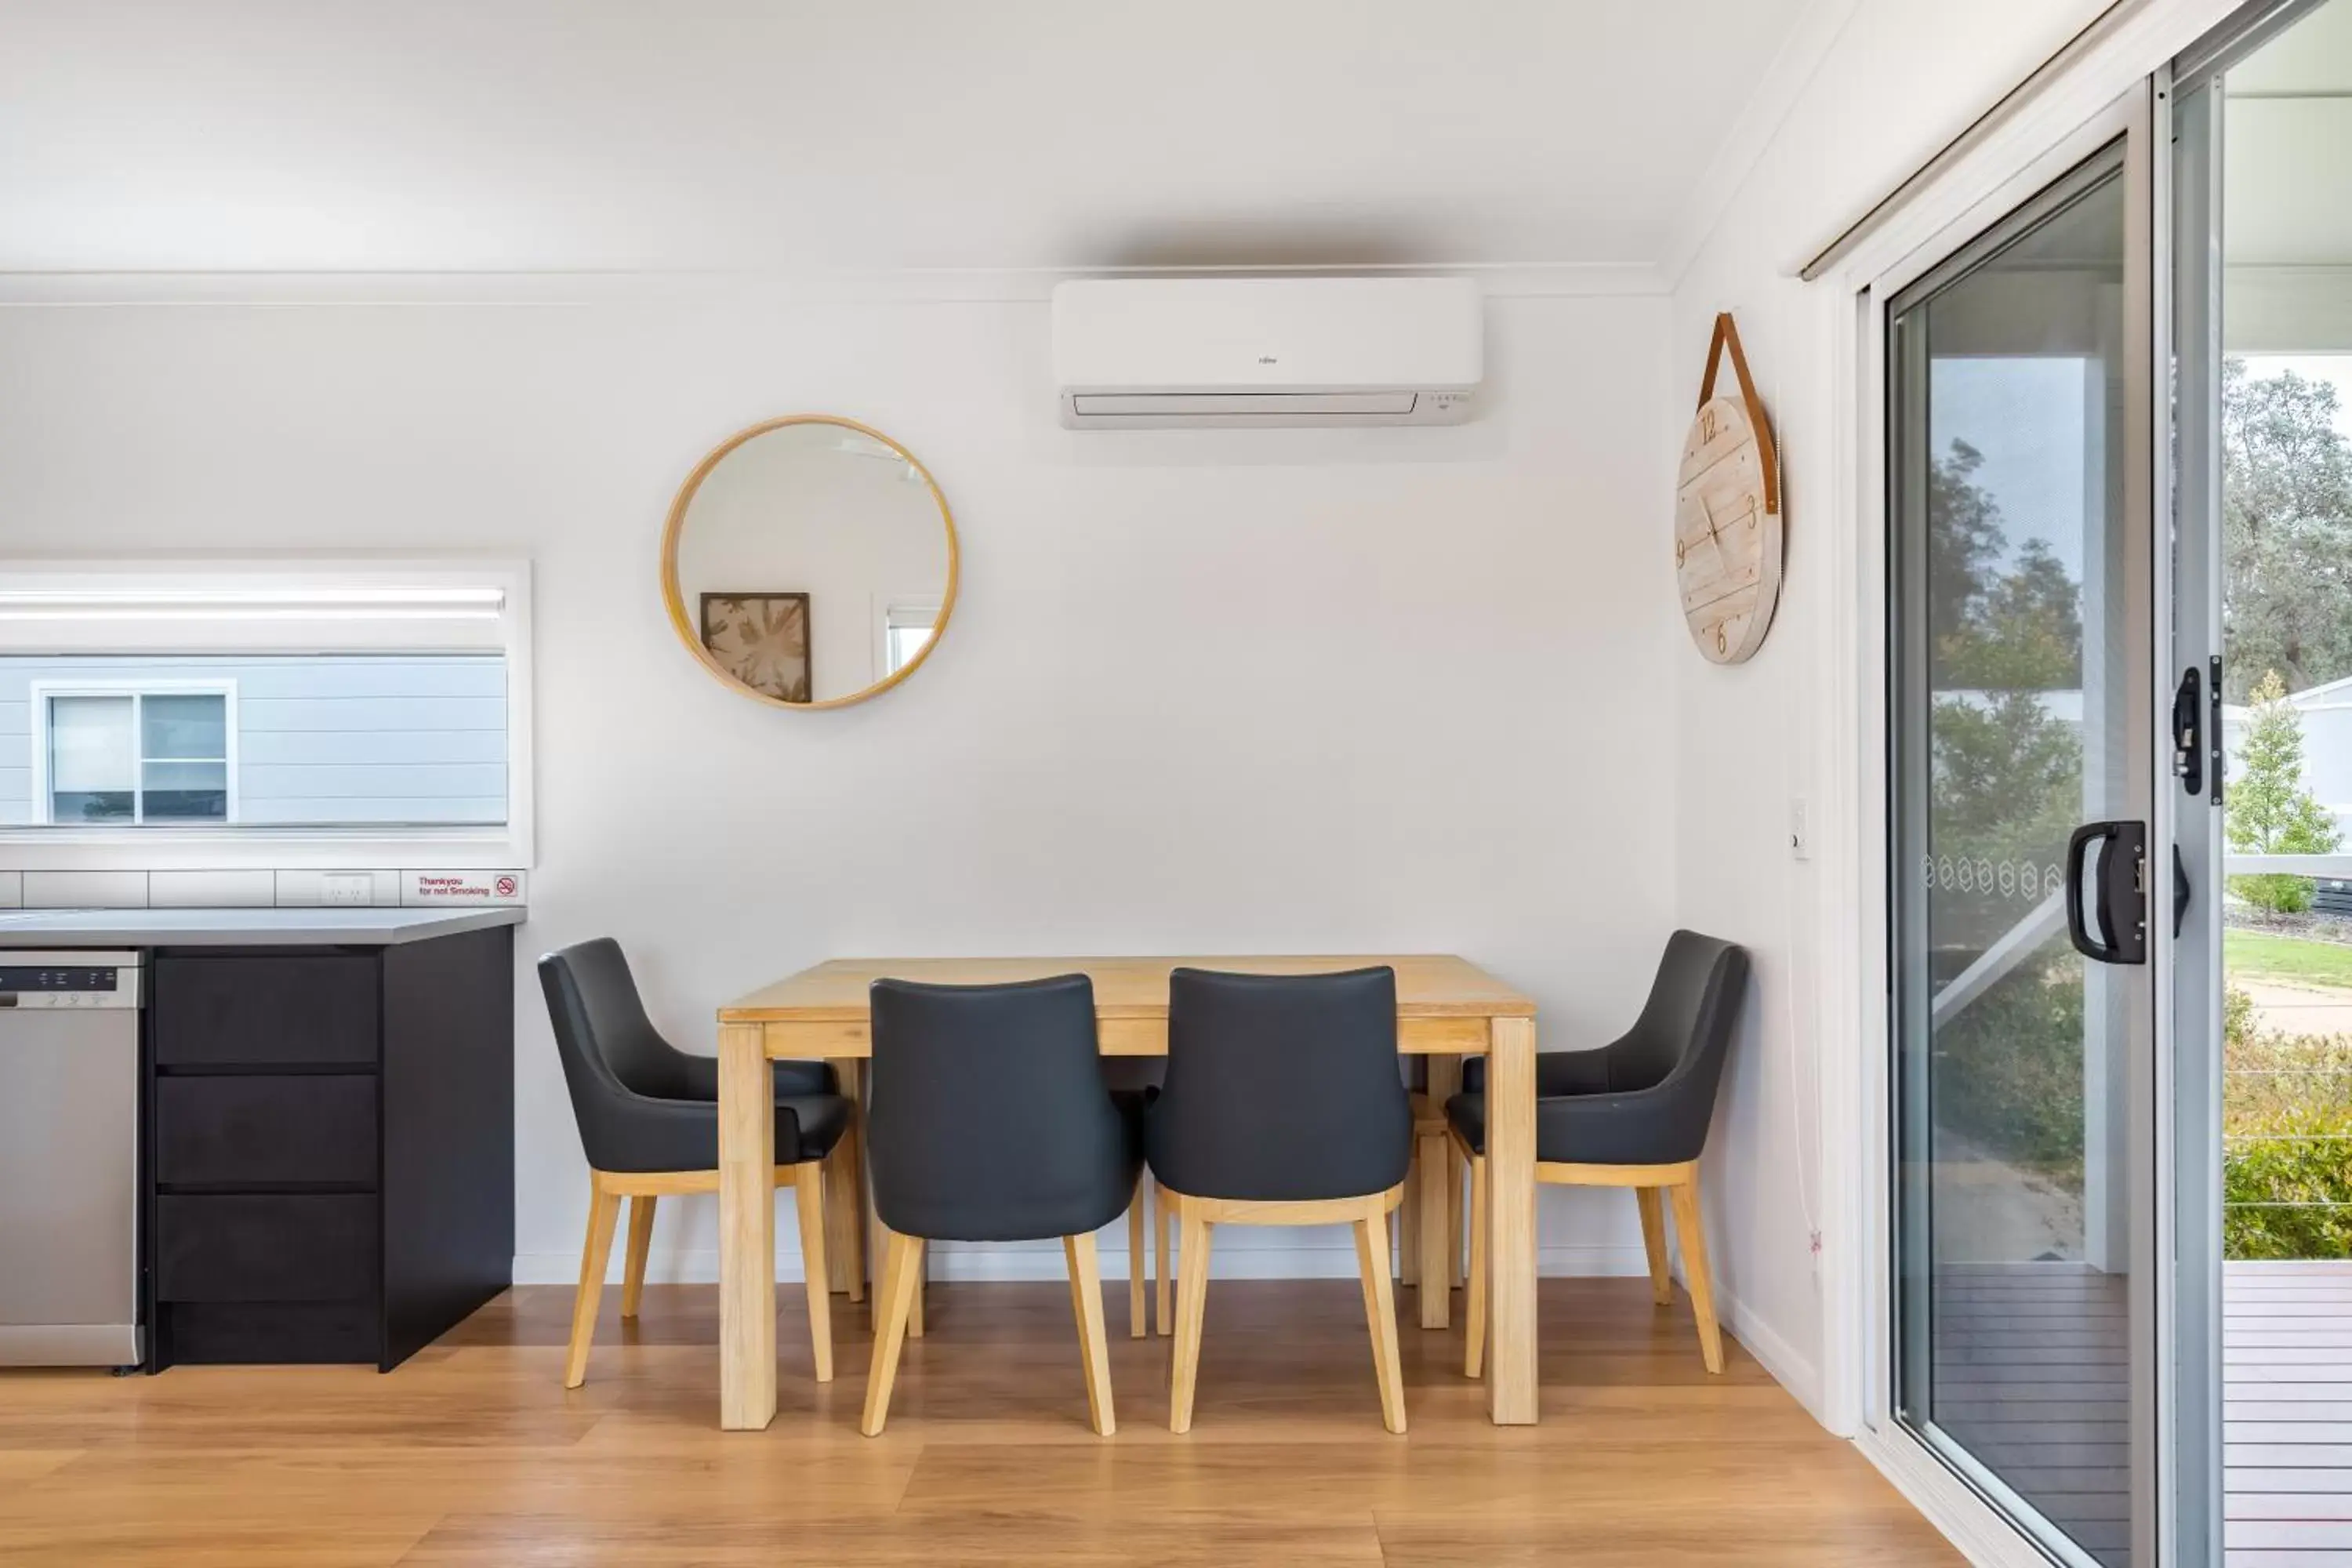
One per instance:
(1236,352)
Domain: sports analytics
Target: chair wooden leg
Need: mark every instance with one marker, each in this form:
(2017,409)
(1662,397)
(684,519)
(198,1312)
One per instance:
(1474,1304)
(1456,1184)
(1379,1310)
(1136,1312)
(1653,1242)
(922,1282)
(892,1305)
(1692,1230)
(844,1191)
(604,1215)
(1087,1306)
(808,1194)
(1438,1264)
(633,1264)
(1163,1216)
(1408,1221)
(1191,1307)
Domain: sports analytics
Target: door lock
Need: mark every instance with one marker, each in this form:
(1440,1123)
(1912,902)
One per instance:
(2188,733)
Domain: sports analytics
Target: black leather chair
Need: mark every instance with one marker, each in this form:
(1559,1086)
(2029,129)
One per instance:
(1283,1106)
(1430,1207)
(648,1119)
(1633,1114)
(988,1119)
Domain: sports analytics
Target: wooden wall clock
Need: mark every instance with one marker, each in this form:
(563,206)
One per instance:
(1727,513)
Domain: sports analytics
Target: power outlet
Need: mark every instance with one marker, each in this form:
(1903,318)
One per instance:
(347,888)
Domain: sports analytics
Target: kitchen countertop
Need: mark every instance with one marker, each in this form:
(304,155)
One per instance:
(361,927)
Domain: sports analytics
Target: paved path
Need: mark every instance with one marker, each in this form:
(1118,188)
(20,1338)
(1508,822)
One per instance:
(2299,1009)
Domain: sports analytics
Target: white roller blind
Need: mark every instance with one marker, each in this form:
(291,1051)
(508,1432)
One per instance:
(257,607)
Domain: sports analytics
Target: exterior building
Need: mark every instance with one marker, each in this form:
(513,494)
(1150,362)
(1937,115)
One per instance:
(259,740)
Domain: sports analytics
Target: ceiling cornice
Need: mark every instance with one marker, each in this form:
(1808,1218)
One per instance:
(941,286)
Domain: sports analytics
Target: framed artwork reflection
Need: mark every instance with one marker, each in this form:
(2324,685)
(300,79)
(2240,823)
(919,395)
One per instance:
(762,640)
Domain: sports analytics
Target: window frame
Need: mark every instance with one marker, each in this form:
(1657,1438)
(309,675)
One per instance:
(41,731)
(888,608)
(272,606)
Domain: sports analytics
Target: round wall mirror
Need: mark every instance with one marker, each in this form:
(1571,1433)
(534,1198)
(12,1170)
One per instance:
(810,562)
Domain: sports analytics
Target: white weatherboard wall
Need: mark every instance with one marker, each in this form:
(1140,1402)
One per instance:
(1865,94)
(1257,692)
(348,739)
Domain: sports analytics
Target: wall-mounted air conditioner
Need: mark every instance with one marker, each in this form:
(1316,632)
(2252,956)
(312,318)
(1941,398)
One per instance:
(1143,353)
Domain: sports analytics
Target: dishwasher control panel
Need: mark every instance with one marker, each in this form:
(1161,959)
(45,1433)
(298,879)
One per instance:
(70,981)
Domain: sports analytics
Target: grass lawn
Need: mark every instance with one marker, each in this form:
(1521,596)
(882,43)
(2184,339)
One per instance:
(2253,955)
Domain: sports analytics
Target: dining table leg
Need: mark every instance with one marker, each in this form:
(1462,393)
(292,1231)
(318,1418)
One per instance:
(845,1190)
(1439,1240)
(1511,1219)
(747,1231)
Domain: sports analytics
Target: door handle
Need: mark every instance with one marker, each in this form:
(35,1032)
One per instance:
(2120,895)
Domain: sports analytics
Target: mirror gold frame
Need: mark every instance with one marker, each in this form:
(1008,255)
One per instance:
(674,598)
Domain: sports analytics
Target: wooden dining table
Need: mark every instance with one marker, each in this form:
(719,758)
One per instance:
(1447,1008)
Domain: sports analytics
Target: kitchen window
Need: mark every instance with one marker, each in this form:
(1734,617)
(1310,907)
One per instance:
(290,714)
(135,756)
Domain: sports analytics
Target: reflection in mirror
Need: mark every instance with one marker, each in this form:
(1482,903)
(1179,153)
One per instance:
(811,561)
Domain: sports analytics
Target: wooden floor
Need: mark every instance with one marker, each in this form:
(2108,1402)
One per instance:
(2288,1409)
(474,1454)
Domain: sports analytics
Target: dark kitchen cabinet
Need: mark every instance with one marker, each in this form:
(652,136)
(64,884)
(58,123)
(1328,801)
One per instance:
(331,1147)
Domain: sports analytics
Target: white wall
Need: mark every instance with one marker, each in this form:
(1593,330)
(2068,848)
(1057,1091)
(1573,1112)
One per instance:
(1268,692)
(1871,91)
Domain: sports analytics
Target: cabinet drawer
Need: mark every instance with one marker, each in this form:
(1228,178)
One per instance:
(276,1333)
(312,1009)
(290,1248)
(227,1132)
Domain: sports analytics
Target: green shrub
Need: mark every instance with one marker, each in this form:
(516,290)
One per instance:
(2286,1129)
(2010,1073)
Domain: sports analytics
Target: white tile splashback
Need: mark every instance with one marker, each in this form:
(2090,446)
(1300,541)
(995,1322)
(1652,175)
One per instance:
(85,889)
(363,887)
(211,890)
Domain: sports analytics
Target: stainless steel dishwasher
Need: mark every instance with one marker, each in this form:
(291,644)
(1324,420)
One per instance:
(69,1159)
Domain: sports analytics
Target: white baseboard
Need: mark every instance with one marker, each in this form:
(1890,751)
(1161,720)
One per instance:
(1792,1370)
(1025,1260)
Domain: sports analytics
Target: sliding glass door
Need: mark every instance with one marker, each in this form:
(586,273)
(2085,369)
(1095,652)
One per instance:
(2023,728)
(2262,121)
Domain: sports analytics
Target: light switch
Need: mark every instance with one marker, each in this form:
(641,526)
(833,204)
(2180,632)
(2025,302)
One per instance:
(1801,830)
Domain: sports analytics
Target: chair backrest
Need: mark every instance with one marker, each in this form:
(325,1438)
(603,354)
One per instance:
(1281,1087)
(610,1052)
(1686,1025)
(987,1119)
(592,1001)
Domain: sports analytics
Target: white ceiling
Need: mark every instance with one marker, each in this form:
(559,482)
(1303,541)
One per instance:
(384,135)
(2313,55)
(2287,147)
